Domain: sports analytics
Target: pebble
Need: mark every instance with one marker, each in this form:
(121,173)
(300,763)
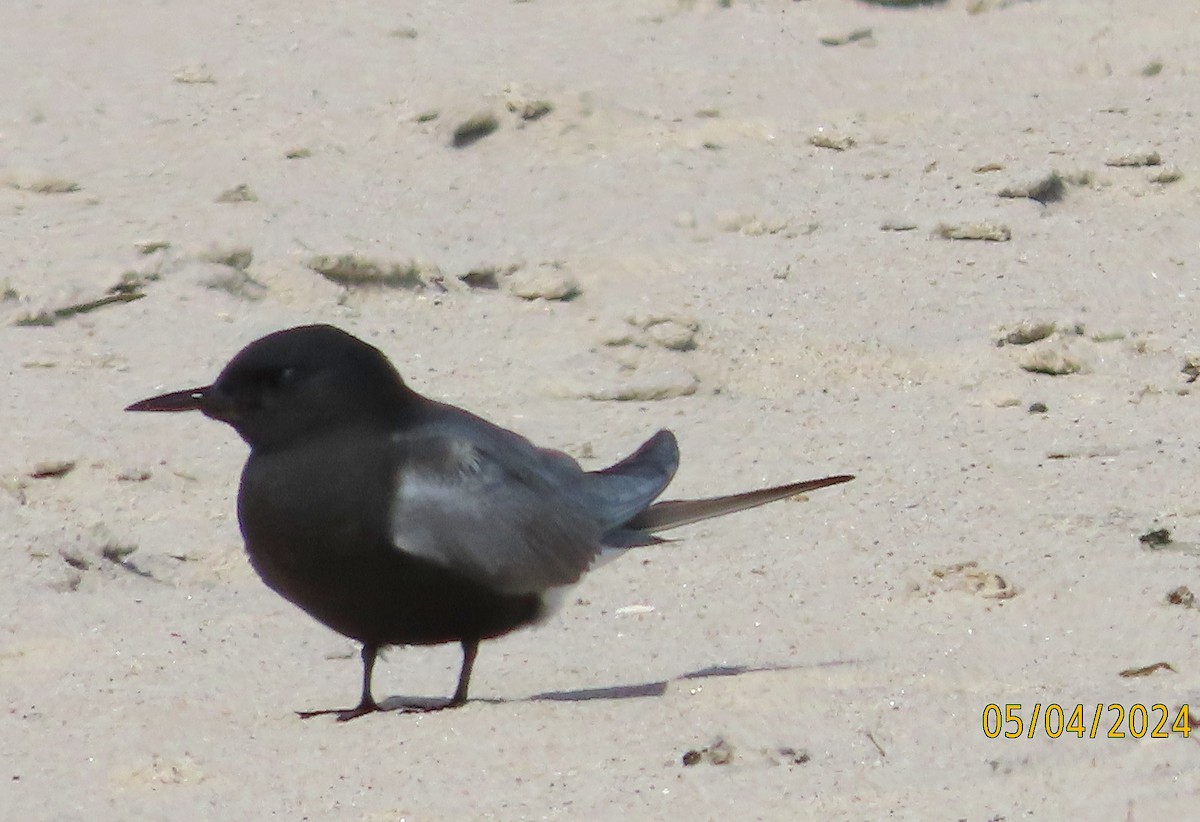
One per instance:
(351,270)
(990,232)
(1052,362)
(543,282)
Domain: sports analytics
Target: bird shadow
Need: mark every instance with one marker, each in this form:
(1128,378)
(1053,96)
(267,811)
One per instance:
(637,690)
(642,690)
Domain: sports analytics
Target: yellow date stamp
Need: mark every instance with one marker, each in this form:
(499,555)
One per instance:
(1106,721)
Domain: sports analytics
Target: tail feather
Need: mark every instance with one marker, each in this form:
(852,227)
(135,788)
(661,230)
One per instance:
(622,490)
(673,513)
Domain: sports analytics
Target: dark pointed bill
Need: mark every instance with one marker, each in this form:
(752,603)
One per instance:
(190,400)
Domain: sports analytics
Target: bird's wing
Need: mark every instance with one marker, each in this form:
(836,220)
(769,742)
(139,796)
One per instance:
(487,504)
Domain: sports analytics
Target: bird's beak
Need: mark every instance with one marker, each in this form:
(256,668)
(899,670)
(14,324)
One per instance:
(189,400)
(209,400)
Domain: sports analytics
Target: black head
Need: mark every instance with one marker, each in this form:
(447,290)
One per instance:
(296,382)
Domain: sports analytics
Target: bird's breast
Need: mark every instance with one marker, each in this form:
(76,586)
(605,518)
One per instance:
(313,514)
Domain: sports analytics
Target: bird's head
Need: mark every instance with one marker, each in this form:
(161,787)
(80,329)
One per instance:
(296,382)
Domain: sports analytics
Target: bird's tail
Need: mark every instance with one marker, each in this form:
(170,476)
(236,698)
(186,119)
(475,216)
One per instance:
(662,516)
(673,513)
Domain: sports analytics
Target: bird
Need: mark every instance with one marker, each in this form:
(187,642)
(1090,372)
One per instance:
(398,520)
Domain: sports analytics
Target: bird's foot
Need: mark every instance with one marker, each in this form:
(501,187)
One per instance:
(413,705)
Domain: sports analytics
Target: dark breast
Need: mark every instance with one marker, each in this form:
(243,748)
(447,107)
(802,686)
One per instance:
(315,521)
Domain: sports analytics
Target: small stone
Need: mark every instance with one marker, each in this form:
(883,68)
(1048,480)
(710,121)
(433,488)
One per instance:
(830,140)
(1028,331)
(989,232)
(672,335)
(544,282)
(148,247)
(1135,159)
(484,278)
(1052,362)
(352,270)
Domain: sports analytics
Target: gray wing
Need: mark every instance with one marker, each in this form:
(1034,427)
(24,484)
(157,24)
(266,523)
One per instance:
(488,504)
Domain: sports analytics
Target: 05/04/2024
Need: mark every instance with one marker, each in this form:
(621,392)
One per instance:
(1053,721)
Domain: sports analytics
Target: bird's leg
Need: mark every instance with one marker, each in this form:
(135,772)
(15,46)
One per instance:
(470,649)
(366,704)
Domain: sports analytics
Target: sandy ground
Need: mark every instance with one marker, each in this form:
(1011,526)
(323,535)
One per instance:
(705,177)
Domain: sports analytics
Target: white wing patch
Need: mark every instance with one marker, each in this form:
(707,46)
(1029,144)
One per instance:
(513,531)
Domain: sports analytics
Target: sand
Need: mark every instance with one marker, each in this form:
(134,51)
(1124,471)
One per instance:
(734,220)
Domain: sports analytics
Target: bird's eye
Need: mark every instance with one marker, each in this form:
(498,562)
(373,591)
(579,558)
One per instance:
(279,377)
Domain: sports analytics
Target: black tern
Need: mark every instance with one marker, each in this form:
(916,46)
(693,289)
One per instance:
(398,520)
